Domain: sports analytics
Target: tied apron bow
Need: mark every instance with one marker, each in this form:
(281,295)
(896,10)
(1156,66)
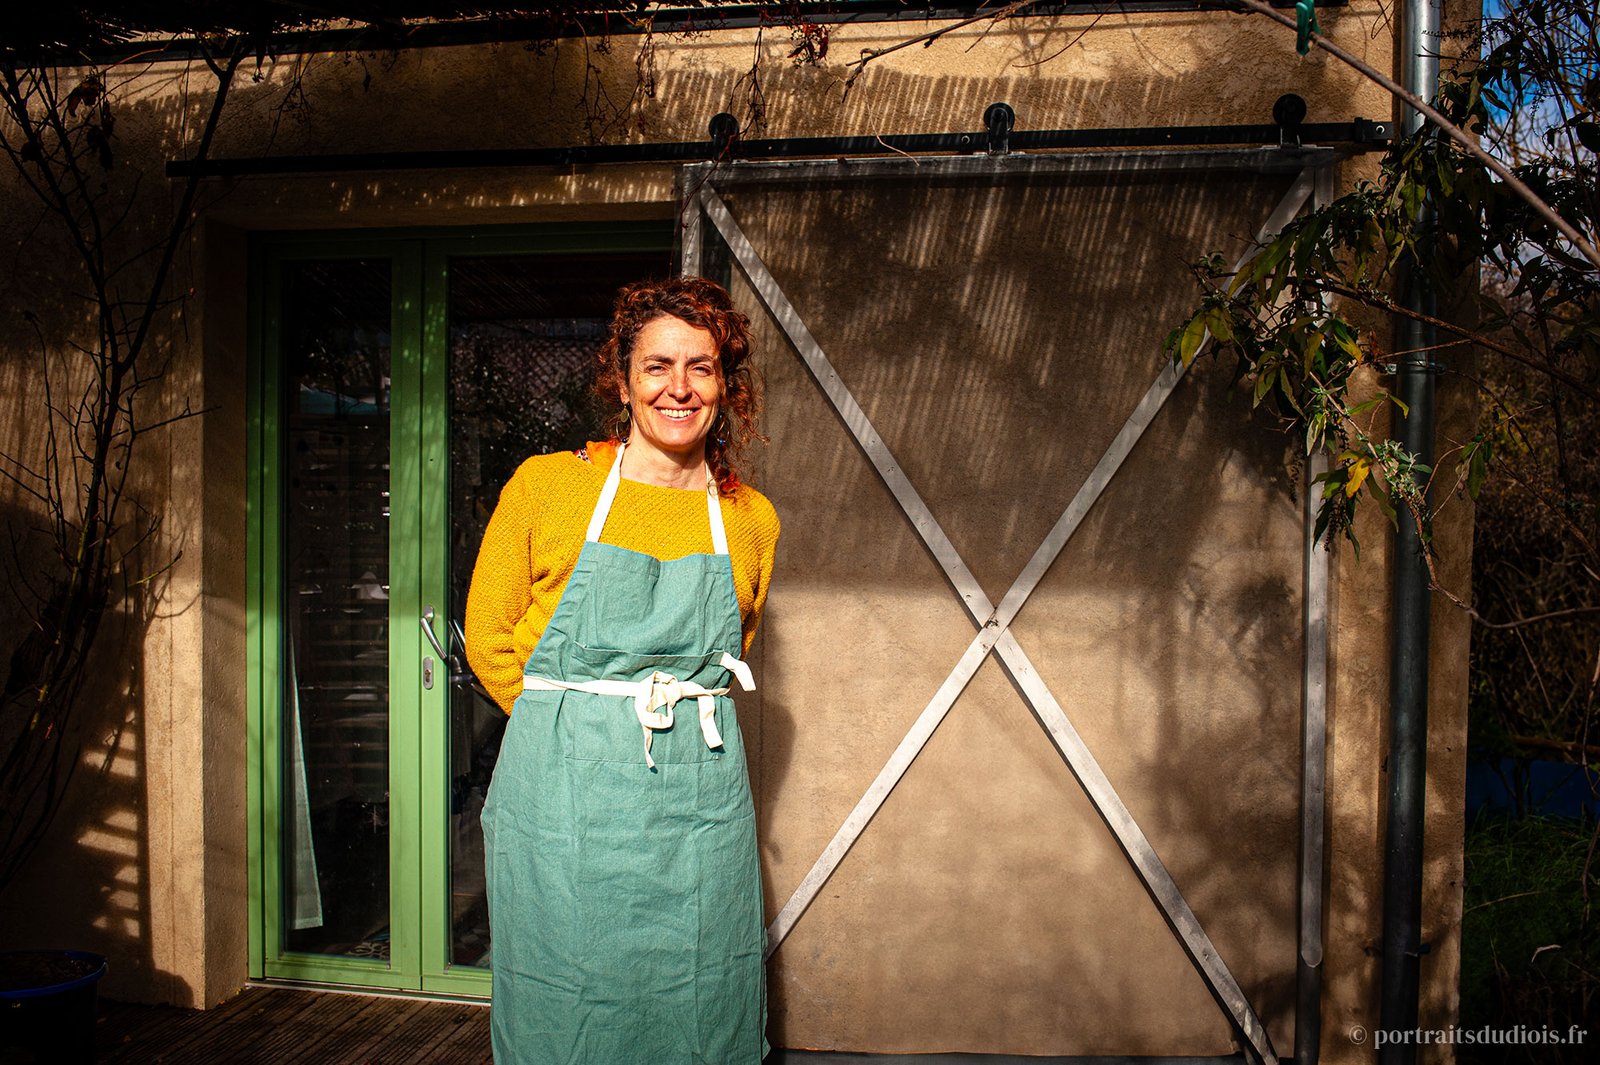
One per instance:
(658,692)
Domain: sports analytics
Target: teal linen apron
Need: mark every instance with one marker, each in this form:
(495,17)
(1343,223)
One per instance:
(624,886)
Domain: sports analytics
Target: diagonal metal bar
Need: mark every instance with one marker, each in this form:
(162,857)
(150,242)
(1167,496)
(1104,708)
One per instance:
(1084,766)
(1127,436)
(949,559)
(1136,846)
(993,630)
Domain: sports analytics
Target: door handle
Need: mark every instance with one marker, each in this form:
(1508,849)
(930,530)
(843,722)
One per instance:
(427,629)
(458,673)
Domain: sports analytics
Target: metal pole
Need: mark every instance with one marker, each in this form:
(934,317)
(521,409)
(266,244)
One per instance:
(1409,637)
(691,233)
(1313,746)
(1313,779)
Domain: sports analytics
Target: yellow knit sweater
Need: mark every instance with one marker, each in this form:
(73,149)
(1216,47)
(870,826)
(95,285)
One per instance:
(536,533)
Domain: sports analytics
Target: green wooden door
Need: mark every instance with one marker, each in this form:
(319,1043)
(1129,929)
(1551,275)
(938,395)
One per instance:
(396,382)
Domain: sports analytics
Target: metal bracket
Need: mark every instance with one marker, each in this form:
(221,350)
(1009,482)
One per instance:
(998,120)
(724,131)
(1426,364)
(1289,112)
(1366,131)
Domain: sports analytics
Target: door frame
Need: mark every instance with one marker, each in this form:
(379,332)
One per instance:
(419,726)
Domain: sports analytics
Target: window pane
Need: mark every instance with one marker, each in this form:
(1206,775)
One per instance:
(335,361)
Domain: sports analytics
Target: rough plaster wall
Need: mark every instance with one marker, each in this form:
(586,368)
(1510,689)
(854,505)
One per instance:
(1114,70)
(1120,70)
(1358,747)
(1359,734)
(104,873)
(1358,695)
(1445,825)
(222,699)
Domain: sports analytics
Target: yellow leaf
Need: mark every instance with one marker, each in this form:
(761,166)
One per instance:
(1189,343)
(1217,322)
(1358,473)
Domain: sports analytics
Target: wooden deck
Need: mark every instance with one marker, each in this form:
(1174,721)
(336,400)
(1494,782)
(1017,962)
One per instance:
(294,1026)
(285,1026)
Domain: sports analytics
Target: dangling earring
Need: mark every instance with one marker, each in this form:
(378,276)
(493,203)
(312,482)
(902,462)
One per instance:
(719,430)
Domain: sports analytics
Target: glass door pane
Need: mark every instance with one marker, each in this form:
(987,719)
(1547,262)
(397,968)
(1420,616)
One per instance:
(334,383)
(522,334)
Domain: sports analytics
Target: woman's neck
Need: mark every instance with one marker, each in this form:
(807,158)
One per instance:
(640,462)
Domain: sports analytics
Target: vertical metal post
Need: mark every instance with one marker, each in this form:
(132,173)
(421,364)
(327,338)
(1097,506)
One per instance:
(691,231)
(1313,776)
(1313,745)
(1409,636)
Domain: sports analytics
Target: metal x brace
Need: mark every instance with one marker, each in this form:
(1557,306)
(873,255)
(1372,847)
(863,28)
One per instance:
(993,628)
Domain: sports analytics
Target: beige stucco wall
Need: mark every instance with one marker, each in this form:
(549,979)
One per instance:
(998,336)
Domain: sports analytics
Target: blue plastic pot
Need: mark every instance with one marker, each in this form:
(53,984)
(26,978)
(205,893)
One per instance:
(47,1004)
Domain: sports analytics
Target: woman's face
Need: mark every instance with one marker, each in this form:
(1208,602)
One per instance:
(674,383)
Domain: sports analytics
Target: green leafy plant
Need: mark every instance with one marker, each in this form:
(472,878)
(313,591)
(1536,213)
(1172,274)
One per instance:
(1297,316)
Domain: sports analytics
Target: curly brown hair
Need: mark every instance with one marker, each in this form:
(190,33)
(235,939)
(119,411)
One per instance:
(706,305)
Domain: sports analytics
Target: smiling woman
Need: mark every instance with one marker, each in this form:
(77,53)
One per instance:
(614,582)
(672,392)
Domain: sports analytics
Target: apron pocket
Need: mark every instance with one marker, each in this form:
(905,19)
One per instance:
(586,662)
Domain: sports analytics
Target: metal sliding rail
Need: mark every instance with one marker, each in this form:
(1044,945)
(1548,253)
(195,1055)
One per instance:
(998,137)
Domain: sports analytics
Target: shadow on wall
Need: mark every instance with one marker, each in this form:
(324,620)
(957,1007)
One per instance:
(997,335)
(89,884)
(1119,70)
(1183,69)
(1139,70)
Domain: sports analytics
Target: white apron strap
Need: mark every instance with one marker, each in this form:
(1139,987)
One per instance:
(719,535)
(608,495)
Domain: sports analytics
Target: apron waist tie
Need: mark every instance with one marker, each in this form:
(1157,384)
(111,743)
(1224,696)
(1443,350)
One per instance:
(655,696)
